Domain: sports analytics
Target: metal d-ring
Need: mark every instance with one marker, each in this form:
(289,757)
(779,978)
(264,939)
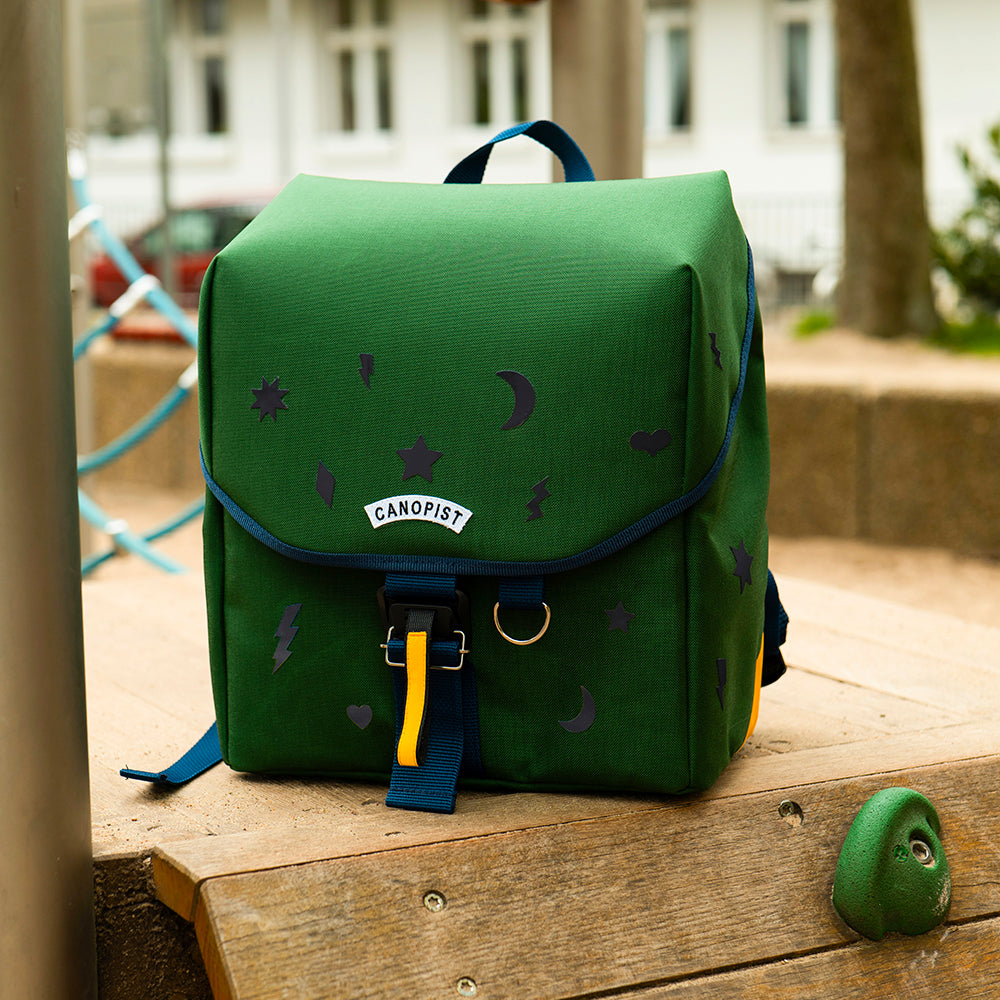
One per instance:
(522,642)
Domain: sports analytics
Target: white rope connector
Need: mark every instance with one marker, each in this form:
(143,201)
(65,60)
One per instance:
(114,528)
(133,295)
(76,163)
(82,219)
(188,377)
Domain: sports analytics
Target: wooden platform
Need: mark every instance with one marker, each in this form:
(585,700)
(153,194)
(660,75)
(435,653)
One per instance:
(316,889)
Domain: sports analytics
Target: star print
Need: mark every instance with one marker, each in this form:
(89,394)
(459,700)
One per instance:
(619,618)
(269,399)
(743,560)
(419,460)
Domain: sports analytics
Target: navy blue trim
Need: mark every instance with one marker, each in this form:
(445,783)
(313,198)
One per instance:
(204,754)
(462,566)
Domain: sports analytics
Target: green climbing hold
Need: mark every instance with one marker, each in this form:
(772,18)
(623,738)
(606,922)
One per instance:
(892,874)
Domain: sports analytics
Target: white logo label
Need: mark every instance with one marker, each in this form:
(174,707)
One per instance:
(417,508)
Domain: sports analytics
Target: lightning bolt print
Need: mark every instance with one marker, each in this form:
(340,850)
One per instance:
(720,666)
(367,367)
(716,351)
(541,493)
(284,634)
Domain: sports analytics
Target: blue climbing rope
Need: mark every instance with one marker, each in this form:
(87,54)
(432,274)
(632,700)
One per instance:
(142,287)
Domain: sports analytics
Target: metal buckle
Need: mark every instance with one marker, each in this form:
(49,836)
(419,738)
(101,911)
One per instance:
(522,642)
(434,666)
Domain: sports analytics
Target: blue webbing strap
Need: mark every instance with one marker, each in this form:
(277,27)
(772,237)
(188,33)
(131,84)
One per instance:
(775,629)
(431,787)
(204,754)
(523,592)
(451,732)
(419,586)
(575,165)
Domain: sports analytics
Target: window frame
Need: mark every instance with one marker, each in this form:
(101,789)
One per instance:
(205,47)
(659,91)
(370,45)
(821,111)
(508,36)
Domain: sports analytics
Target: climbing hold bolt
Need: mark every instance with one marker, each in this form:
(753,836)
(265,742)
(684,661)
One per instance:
(892,874)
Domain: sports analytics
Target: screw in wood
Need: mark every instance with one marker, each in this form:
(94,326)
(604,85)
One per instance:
(790,812)
(467,987)
(435,902)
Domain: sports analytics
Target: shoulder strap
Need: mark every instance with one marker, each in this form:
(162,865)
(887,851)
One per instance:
(775,629)
(204,754)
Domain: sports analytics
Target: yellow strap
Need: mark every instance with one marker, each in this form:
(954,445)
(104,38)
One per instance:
(416,699)
(756,691)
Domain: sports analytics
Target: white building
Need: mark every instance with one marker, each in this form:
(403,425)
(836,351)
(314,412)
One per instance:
(402,89)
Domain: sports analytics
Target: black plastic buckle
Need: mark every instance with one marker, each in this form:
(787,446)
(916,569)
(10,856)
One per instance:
(448,618)
(448,623)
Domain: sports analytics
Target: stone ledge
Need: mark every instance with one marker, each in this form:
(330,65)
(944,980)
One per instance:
(900,466)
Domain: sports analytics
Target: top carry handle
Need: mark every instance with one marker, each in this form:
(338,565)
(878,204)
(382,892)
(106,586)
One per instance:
(574,163)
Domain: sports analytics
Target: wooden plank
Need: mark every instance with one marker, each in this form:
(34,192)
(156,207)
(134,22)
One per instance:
(886,755)
(806,709)
(364,825)
(181,867)
(149,698)
(582,907)
(971,689)
(949,963)
(918,630)
(914,654)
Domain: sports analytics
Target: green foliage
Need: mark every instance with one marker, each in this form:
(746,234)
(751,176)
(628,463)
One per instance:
(813,322)
(980,336)
(970,250)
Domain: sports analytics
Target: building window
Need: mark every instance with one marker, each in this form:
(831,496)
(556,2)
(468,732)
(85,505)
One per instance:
(208,27)
(116,71)
(668,65)
(357,52)
(496,45)
(804,88)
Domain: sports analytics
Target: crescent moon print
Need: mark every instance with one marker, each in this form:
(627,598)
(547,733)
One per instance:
(524,398)
(585,719)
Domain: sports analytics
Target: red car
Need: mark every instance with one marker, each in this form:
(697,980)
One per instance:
(199,232)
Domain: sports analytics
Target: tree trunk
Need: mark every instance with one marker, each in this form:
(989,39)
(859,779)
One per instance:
(597,81)
(885,288)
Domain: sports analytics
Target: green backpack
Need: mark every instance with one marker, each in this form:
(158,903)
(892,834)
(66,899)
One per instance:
(487,471)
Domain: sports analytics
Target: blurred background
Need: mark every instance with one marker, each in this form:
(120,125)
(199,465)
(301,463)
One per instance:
(233,97)
(862,143)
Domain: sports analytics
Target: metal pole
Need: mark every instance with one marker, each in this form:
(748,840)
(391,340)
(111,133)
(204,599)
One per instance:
(46,869)
(160,85)
(598,49)
(74,113)
(281,35)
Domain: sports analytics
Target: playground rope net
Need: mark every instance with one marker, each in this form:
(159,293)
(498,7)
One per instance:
(142,287)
